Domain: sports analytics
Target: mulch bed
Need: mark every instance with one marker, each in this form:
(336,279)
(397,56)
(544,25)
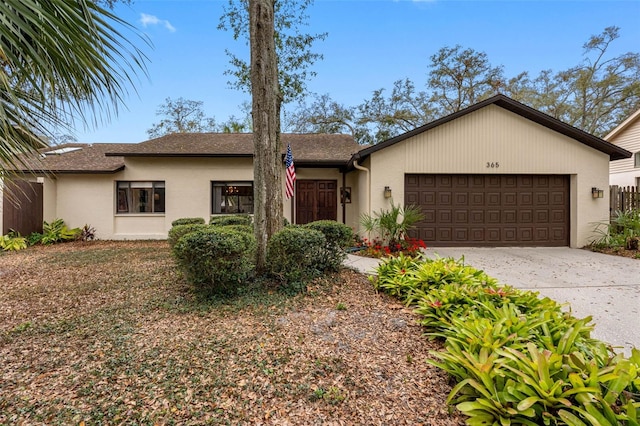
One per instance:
(109,333)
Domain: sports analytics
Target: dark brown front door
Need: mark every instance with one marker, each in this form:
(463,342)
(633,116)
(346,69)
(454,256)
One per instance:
(22,207)
(316,200)
(491,210)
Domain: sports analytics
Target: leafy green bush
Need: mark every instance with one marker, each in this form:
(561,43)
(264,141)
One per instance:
(215,259)
(34,238)
(241,228)
(188,221)
(338,237)
(57,232)
(622,231)
(236,219)
(336,233)
(13,241)
(392,225)
(518,358)
(296,255)
(178,231)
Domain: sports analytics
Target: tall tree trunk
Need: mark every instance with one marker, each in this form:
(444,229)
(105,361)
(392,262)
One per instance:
(266,100)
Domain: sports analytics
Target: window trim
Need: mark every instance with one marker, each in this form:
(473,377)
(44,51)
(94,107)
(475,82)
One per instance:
(636,160)
(124,199)
(218,183)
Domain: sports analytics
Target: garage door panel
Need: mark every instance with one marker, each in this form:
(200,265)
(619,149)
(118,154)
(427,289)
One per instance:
(412,198)
(493,234)
(493,216)
(444,216)
(509,216)
(476,199)
(444,234)
(491,209)
(510,234)
(477,235)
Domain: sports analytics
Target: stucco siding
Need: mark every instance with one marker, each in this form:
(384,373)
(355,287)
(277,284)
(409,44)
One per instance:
(90,199)
(494,140)
(80,200)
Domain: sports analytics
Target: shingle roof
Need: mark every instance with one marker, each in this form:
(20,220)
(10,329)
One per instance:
(310,149)
(89,158)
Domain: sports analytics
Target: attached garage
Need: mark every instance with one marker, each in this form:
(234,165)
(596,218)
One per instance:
(490,210)
(498,173)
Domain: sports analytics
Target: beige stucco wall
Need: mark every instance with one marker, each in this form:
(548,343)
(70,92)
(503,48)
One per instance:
(90,199)
(623,172)
(519,146)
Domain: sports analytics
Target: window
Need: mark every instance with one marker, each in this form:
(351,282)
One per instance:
(636,160)
(140,197)
(231,197)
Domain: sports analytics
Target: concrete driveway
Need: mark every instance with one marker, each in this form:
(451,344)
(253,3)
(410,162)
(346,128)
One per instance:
(603,286)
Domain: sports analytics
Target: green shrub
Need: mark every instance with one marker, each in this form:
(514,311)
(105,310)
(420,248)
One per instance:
(622,231)
(236,219)
(13,241)
(392,225)
(216,260)
(241,228)
(336,233)
(57,231)
(338,237)
(296,255)
(34,238)
(518,358)
(178,231)
(188,221)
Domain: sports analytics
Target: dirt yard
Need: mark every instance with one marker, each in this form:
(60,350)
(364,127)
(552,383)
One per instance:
(109,333)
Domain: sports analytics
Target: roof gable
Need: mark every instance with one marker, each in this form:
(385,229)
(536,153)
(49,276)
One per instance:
(614,152)
(623,126)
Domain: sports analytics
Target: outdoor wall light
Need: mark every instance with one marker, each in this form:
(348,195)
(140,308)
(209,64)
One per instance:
(387,192)
(597,193)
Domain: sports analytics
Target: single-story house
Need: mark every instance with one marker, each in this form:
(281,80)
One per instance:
(626,172)
(495,174)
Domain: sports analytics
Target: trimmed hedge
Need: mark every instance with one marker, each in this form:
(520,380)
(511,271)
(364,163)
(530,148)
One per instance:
(338,236)
(231,220)
(188,221)
(240,228)
(178,231)
(336,233)
(295,255)
(216,259)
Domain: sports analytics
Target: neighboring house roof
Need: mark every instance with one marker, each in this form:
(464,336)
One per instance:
(317,150)
(622,126)
(614,152)
(75,158)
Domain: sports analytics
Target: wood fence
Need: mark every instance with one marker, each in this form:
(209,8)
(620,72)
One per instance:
(623,199)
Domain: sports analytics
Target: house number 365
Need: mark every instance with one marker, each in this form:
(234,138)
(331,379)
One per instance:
(492,165)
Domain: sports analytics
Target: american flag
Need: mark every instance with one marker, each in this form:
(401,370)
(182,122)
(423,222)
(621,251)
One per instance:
(291,172)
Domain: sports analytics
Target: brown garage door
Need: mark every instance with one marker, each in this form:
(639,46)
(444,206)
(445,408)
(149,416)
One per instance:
(491,210)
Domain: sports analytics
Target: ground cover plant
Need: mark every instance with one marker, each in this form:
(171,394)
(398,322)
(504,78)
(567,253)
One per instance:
(518,359)
(111,333)
(620,236)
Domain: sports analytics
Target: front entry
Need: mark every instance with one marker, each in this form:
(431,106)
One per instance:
(316,200)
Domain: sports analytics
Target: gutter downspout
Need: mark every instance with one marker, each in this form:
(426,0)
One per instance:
(368,192)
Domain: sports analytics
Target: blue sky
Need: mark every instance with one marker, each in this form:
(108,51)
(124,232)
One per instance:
(370,45)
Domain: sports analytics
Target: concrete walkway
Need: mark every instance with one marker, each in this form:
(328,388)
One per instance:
(603,286)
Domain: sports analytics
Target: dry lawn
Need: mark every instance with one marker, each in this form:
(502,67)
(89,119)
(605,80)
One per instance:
(109,333)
